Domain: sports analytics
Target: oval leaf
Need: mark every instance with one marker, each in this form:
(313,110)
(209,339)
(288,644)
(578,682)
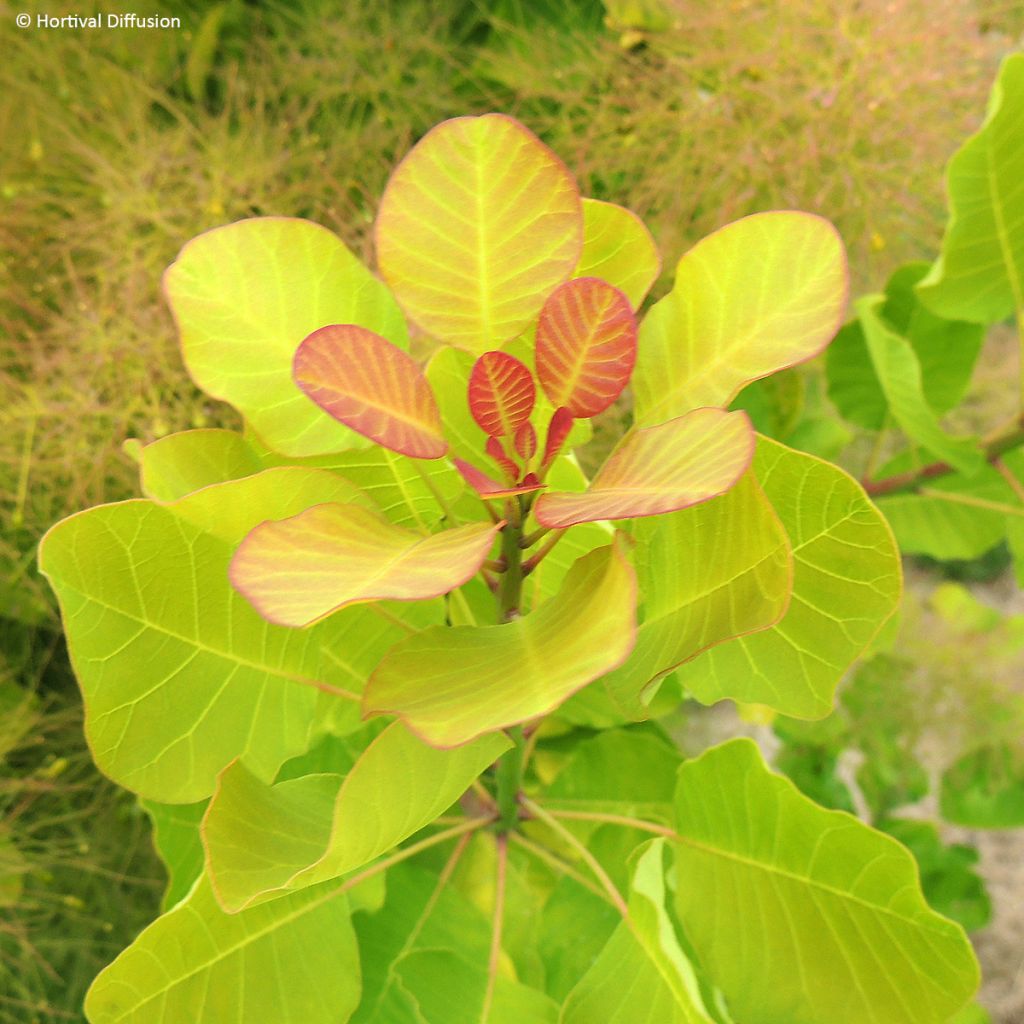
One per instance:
(618,248)
(298,570)
(660,469)
(833,923)
(586,346)
(476,227)
(756,296)
(501,393)
(558,431)
(245,295)
(368,384)
(450,685)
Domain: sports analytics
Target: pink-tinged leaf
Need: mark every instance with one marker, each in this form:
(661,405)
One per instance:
(452,684)
(496,451)
(373,387)
(586,345)
(476,227)
(660,469)
(526,441)
(501,393)
(558,431)
(295,571)
(488,488)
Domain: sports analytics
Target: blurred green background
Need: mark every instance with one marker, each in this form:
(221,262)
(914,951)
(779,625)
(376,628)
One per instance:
(117,146)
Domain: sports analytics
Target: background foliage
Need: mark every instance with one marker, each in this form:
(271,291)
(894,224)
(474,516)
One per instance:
(116,149)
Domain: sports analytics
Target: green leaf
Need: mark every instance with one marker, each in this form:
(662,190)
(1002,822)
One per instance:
(846,584)
(758,295)
(979,275)
(477,225)
(450,685)
(244,296)
(145,596)
(299,570)
(642,975)
(618,248)
(708,574)
(899,374)
(263,840)
(294,961)
(815,917)
(421,912)
(985,788)
(948,880)
(659,469)
(181,463)
(177,841)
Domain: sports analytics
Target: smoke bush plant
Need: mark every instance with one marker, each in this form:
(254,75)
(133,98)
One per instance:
(386,669)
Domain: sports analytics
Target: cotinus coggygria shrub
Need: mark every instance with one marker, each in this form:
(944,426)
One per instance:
(387,669)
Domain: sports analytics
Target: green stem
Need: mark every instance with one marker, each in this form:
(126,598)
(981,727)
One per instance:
(510,780)
(510,590)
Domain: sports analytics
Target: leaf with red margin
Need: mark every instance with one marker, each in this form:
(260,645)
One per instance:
(526,441)
(296,571)
(558,430)
(452,684)
(660,469)
(618,248)
(501,393)
(754,297)
(586,345)
(475,228)
(368,384)
(488,488)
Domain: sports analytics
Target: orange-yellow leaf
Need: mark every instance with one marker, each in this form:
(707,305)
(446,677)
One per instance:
(373,387)
(476,227)
(450,685)
(586,346)
(501,393)
(295,571)
(558,430)
(487,487)
(660,469)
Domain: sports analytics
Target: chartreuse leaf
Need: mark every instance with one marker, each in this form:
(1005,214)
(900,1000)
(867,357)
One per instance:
(815,917)
(221,681)
(501,394)
(659,469)
(899,374)
(979,275)
(585,346)
(372,386)
(846,584)
(181,463)
(177,841)
(642,975)
(475,228)
(245,295)
(710,573)
(298,570)
(271,839)
(763,293)
(985,788)
(618,248)
(450,685)
(295,959)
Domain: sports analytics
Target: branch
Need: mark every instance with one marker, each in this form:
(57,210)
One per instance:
(494,959)
(1004,440)
(617,819)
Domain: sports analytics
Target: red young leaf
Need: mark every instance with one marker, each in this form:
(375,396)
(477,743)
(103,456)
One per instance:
(558,431)
(586,345)
(368,384)
(488,488)
(526,441)
(501,393)
(497,452)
